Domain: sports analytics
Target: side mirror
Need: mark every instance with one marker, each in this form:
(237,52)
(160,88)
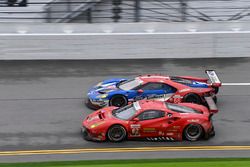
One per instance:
(135,119)
(140,91)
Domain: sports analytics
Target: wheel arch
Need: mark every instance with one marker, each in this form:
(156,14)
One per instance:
(193,94)
(126,129)
(189,123)
(119,94)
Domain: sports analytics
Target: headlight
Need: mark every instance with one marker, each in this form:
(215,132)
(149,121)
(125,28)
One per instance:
(99,84)
(93,126)
(103,96)
(96,124)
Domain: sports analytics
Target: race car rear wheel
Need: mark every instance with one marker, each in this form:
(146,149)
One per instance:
(118,101)
(193,132)
(192,98)
(116,133)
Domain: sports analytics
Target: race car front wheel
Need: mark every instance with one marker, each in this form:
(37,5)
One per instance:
(193,132)
(118,101)
(192,98)
(116,133)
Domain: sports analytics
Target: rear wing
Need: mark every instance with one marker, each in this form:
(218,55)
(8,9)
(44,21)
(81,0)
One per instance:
(213,78)
(211,104)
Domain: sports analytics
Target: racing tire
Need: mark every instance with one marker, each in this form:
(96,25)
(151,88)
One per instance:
(118,101)
(193,132)
(116,133)
(192,98)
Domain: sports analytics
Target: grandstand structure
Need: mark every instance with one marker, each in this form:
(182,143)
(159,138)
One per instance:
(103,11)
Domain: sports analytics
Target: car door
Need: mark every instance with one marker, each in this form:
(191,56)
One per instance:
(147,124)
(154,90)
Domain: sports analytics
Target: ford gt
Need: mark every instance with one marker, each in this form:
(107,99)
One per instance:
(174,89)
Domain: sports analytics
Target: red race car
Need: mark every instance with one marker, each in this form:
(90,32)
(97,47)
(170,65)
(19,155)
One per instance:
(151,120)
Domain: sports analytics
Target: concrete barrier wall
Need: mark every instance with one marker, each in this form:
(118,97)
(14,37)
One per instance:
(124,41)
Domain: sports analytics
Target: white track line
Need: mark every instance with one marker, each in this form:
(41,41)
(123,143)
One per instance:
(236,84)
(123,33)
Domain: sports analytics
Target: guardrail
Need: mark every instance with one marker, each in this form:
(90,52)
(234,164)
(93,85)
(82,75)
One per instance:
(124,41)
(103,11)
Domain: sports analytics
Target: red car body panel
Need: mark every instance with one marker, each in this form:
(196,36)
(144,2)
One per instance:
(169,127)
(194,78)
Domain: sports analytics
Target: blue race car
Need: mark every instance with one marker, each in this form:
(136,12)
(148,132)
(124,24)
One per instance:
(121,91)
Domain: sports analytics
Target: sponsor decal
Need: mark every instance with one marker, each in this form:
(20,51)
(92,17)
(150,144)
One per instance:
(193,120)
(159,97)
(149,130)
(176,127)
(184,90)
(172,130)
(163,97)
(135,125)
(177,96)
(170,134)
(135,130)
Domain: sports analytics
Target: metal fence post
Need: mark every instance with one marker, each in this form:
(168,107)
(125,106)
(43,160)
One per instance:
(89,15)
(183,10)
(137,10)
(68,5)
(48,13)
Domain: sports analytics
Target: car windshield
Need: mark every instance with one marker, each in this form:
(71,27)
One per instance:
(181,109)
(124,113)
(130,84)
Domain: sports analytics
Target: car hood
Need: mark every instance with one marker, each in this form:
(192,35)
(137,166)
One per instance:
(101,115)
(106,86)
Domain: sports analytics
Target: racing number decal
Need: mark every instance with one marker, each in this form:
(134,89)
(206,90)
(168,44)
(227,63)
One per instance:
(135,132)
(135,129)
(177,98)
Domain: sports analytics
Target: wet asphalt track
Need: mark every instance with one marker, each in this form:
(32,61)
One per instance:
(42,105)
